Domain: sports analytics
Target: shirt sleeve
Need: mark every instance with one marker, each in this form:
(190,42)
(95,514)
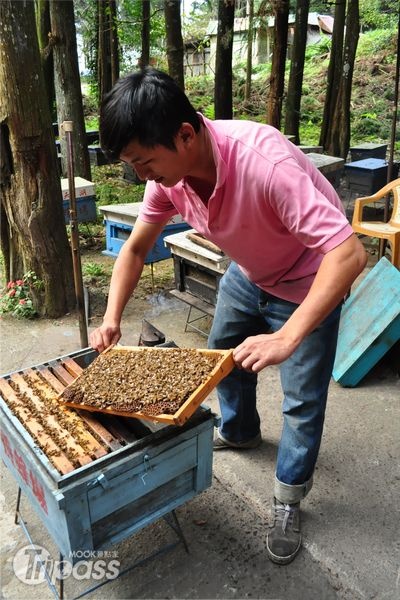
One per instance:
(156,207)
(315,218)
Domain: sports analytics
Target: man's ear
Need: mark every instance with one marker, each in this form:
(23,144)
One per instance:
(186,133)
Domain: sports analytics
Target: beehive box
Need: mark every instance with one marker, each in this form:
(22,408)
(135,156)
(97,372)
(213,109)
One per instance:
(127,486)
(85,200)
(198,270)
(330,166)
(120,219)
(96,156)
(369,175)
(369,325)
(368,150)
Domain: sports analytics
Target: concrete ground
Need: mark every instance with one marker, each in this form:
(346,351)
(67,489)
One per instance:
(350,519)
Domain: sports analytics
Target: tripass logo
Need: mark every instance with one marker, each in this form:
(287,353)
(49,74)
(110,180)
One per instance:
(27,565)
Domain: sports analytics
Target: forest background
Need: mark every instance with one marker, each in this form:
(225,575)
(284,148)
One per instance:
(119,36)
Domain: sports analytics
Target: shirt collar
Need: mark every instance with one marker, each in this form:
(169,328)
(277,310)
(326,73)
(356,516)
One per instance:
(218,143)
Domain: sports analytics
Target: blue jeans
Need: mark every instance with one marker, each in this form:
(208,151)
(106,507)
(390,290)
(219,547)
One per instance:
(242,310)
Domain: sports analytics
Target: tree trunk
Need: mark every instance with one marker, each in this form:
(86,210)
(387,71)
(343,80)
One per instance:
(104,51)
(114,43)
(173,29)
(43,30)
(293,101)
(338,137)
(249,61)
(223,60)
(145,34)
(68,84)
(33,231)
(277,79)
(334,70)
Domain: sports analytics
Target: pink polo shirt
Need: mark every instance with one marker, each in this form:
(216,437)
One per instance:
(271,211)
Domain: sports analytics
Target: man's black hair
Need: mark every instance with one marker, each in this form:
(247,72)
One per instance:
(146,106)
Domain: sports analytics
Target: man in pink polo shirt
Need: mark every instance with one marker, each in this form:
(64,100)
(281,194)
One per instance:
(294,258)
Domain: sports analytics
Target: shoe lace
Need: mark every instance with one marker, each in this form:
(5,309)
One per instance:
(285,513)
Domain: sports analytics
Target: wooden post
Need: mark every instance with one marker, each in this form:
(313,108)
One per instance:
(66,129)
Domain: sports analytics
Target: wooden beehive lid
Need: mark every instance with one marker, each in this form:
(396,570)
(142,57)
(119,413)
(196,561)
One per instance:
(222,368)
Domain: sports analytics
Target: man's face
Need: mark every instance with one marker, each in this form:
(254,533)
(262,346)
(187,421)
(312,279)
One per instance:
(160,164)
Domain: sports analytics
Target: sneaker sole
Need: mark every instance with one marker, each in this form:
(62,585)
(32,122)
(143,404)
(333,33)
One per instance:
(283,560)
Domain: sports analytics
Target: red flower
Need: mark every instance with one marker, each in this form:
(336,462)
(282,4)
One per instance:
(19,282)
(22,301)
(10,284)
(11,293)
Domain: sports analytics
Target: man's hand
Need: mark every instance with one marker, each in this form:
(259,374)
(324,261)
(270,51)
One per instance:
(104,336)
(337,271)
(259,351)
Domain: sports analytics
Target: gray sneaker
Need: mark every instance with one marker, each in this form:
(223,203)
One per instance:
(284,537)
(221,443)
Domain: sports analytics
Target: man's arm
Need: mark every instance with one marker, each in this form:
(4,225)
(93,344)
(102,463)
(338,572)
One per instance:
(337,271)
(125,276)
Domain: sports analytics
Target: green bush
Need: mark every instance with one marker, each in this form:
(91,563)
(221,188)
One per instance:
(111,188)
(379,40)
(365,127)
(93,269)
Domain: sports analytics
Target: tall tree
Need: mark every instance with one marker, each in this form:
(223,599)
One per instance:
(33,230)
(277,78)
(334,70)
(173,29)
(293,101)
(114,42)
(249,61)
(104,50)
(337,140)
(43,30)
(108,49)
(68,83)
(145,34)
(223,60)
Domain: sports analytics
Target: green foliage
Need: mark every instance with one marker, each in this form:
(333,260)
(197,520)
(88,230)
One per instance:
(129,31)
(195,23)
(320,50)
(90,108)
(93,269)
(200,90)
(92,123)
(112,189)
(17,300)
(378,40)
(378,14)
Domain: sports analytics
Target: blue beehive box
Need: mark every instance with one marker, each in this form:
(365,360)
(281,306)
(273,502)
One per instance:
(115,495)
(369,325)
(119,220)
(369,175)
(85,200)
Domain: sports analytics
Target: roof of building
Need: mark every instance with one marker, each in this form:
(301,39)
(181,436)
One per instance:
(324,22)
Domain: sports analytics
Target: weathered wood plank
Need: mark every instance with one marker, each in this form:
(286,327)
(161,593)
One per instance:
(49,447)
(72,367)
(51,420)
(91,444)
(92,422)
(62,374)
